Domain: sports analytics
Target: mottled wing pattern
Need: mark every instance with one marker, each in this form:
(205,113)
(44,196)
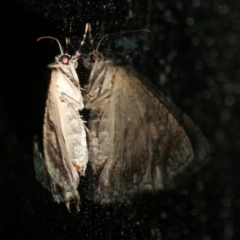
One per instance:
(136,144)
(64,136)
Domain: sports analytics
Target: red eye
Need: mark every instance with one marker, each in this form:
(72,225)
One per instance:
(65,59)
(94,58)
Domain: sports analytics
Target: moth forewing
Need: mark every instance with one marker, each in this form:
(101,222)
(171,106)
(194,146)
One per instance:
(64,136)
(42,174)
(39,165)
(136,143)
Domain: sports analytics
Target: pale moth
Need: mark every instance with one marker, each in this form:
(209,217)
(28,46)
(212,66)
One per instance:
(64,134)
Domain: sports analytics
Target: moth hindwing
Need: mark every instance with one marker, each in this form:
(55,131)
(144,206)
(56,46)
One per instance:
(139,141)
(64,136)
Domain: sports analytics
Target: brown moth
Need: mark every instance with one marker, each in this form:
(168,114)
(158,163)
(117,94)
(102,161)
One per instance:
(64,135)
(139,140)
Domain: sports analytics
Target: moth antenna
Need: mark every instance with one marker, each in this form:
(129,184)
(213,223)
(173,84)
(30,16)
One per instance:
(87,29)
(110,44)
(101,41)
(90,36)
(68,41)
(49,37)
(119,33)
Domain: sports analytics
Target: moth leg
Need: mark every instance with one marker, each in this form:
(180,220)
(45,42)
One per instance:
(83,89)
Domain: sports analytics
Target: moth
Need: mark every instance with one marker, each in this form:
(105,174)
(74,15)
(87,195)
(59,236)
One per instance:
(64,132)
(139,140)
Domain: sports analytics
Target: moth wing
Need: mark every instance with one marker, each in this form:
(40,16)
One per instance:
(144,144)
(58,164)
(201,147)
(42,174)
(40,166)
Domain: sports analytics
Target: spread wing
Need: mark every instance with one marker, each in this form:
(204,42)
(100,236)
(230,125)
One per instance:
(199,143)
(136,143)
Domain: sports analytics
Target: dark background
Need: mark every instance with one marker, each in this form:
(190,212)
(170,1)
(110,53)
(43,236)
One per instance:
(192,55)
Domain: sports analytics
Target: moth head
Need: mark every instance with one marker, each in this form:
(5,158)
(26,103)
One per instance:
(92,58)
(63,58)
(66,59)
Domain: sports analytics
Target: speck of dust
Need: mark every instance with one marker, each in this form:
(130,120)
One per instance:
(223,9)
(219,135)
(226,202)
(155,232)
(190,21)
(206,237)
(229,100)
(195,41)
(196,3)
(225,115)
(228,88)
